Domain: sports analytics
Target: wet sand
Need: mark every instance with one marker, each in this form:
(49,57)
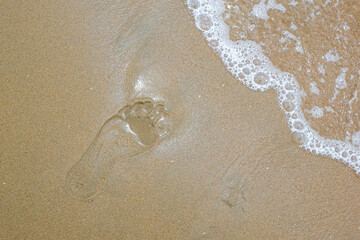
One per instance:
(332,30)
(227,170)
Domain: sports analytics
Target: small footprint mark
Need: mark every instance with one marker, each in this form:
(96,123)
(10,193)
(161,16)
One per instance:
(136,128)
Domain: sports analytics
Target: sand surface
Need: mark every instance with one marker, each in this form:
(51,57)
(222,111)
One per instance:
(228,169)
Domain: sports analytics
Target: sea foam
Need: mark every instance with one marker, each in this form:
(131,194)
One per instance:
(246,61)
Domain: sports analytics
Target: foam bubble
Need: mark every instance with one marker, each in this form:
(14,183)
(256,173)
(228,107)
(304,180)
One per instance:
(246,71)
(288,106)
(204,22)
(298,125)
(261,78)
(257,62)
(300,138)
(214,43)
(290,96)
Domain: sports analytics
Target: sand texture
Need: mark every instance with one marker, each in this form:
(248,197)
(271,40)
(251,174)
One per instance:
(119,122)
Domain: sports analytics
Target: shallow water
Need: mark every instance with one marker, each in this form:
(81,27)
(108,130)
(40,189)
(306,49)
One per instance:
(307,51)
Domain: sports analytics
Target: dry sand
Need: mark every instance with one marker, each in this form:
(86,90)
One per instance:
(227,170)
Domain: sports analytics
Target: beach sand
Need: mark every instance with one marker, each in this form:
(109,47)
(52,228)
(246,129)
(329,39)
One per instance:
(227,169)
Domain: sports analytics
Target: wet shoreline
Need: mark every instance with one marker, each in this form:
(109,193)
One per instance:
(229,169)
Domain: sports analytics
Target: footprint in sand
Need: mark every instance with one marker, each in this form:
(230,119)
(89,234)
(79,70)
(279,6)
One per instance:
(136,128)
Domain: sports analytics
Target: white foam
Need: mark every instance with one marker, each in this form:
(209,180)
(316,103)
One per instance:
(356,139)
(316,112)
(293,3)
(340,80)
(293,26)
(246,61)
(330,109)
(260,10)
(321,69)
(331,56)
(314,89)
(354,98)
(289,35)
